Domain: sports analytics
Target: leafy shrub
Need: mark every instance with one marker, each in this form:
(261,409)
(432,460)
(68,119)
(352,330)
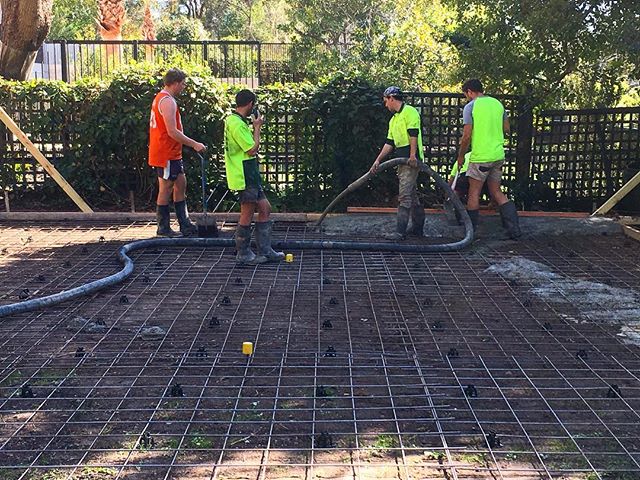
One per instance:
(317,139)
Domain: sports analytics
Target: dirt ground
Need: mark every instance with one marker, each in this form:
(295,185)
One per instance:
(510,360)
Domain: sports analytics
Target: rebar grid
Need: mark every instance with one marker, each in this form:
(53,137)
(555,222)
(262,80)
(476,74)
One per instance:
(367,365)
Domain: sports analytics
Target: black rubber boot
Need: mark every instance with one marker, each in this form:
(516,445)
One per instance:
(164,227)
(187,228)
(263,242)
(402,220)
(417,221)
(509,216)
(243,246)
(474,215)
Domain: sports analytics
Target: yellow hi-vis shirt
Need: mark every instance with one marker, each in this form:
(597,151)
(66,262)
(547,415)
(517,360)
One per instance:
(402,121)
(238,139)
(465,165)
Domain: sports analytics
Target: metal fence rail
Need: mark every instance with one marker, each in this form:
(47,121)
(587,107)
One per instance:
(235,62)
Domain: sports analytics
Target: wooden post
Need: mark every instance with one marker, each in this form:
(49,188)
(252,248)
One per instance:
(619,195)
(46,164)
(132,201)
(6,201)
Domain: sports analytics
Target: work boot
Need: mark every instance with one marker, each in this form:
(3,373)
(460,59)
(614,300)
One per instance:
(243,246)
(263,242)
(164,227)
(402,220)
(187,228)
(417,221)
(474,215)
(509,216)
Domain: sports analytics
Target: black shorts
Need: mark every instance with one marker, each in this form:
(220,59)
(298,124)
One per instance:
(171,171)
(253,186)
(251,194)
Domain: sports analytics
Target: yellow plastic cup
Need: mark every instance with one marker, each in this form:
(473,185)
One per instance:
(247,348)
(288,258)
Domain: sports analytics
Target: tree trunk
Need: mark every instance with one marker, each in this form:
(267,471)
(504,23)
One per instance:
(25,25)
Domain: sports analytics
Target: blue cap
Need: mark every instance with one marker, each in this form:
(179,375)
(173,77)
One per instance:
(392,92)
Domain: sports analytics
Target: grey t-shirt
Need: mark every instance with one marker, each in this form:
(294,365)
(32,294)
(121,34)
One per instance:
(467,113)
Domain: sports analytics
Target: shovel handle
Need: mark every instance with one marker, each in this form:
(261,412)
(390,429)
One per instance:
(203,180)
(455,180)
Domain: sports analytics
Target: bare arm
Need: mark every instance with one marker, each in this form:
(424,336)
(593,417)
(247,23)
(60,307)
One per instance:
(168,111)
(413,149)
(506,126)
(257,126)
(465,142)
(386,150)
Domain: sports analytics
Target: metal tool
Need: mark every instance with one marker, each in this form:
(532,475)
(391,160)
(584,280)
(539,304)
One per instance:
(207,227)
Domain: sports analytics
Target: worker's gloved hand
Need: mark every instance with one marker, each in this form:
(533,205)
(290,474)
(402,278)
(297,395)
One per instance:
(374,167)
(413,162)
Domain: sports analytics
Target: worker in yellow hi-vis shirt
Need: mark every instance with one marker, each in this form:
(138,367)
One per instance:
(404,139)
(485,125)
(241,146)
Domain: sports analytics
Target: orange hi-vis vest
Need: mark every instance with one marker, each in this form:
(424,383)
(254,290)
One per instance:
(162,147)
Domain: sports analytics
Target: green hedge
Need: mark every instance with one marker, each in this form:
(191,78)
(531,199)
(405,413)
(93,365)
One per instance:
(99,131)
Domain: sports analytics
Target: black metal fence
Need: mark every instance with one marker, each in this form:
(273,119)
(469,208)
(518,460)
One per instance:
(561,159)
(235,62)
(584,156)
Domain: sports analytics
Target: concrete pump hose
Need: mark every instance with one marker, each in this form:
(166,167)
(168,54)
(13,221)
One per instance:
(128,265)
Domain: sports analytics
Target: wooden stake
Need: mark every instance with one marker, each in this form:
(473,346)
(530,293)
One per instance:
(6,201)
(46,164)
(619,195)
(632,231)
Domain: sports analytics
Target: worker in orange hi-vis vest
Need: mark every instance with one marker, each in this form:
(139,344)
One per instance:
(165,155)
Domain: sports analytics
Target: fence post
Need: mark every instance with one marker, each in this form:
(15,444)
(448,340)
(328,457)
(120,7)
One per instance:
(260,63)
(135,50)
(64,65)
(205,52)
(524,138)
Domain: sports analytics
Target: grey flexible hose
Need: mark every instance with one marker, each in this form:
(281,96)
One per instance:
(127,270)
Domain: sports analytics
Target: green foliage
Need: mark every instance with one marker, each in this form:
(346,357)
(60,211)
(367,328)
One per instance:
(413,51)
(573,54)
(200,442)
(337,128)
(100,132)
(325,30)
(73,20)
(76,20)
(181,28)
(403,43)
(101,129)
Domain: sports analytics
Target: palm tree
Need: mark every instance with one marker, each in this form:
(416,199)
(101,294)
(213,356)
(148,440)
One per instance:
(111,16)
(148,30)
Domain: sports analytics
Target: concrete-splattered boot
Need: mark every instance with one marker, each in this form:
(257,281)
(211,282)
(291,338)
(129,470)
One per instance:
(510,221)
(187,228)
(417,221)
(474,215)
(245,255)
(402,220)
(163,220)
(263,241)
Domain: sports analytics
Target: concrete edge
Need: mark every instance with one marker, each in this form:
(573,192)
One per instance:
(137,216)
